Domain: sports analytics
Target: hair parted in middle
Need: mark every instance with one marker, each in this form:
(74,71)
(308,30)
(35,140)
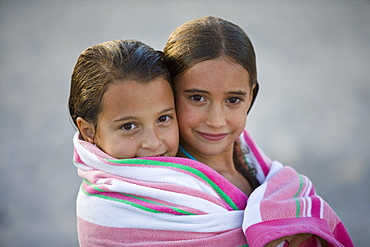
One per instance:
(208,38)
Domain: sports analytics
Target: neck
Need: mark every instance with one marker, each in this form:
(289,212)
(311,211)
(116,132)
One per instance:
(222,162)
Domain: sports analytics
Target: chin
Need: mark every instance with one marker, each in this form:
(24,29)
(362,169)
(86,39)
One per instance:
(210,151)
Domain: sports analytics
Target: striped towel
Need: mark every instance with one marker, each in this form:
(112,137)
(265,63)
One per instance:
(168,201)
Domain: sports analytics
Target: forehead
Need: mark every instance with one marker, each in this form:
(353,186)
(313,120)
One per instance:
(215,72)
(136,95)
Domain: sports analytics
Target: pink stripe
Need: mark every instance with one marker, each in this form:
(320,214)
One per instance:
(93,235)
(341,233)
(316,207)
(262,233)
(279,201)
(93,149)
(312,191)
(77,157)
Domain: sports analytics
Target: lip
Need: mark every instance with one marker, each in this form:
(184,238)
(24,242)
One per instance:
(160,155)
(153,155)
(212,137)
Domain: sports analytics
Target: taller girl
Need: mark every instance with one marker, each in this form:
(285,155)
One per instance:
(213,67)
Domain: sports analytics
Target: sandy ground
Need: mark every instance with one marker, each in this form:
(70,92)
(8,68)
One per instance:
(312,111)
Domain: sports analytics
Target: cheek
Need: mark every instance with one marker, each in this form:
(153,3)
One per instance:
(123,148)
(188,115)
(238,120)
(172,140)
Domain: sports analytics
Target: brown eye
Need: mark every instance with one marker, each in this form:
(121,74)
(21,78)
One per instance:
(234,100)
(128,126)
(163,118)
(197,97)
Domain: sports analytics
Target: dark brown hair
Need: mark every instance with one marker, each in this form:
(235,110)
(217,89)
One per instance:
(207,38)
(110,62)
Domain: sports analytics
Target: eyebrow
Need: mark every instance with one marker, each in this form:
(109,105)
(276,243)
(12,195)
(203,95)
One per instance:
(124,119)
(134,118)
(237,92)
(195,90)
(167,110)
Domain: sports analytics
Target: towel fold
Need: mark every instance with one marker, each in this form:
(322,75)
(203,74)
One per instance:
(169,201)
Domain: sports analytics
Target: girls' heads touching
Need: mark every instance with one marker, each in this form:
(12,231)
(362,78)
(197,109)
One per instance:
(213,68)
(121,100)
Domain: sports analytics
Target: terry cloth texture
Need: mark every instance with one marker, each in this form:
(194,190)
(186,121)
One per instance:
(169,201)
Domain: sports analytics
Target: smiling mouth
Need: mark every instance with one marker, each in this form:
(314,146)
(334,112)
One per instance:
(212,137)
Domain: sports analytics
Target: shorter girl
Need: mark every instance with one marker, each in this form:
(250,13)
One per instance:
(122,103)
(121,100)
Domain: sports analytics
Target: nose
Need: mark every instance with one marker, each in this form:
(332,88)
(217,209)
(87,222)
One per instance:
(151,140)
(216,116)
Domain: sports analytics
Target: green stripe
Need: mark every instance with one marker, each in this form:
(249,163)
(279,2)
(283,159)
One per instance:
(132,203)
(182,167)
(296,195)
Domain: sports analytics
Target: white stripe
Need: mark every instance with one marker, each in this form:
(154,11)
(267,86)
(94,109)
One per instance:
(304,206)
(309,208)
(276,166)
(321,207)
(308,184)
(252,213)
(115,214)
(308,198)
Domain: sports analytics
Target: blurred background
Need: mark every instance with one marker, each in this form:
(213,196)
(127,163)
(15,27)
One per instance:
(312,112)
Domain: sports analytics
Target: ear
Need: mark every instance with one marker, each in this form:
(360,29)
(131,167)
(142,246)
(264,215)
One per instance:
(255,88)
(87,130)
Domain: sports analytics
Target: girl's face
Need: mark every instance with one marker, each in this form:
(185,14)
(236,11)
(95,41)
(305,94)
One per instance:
(212,100)
(138,120)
